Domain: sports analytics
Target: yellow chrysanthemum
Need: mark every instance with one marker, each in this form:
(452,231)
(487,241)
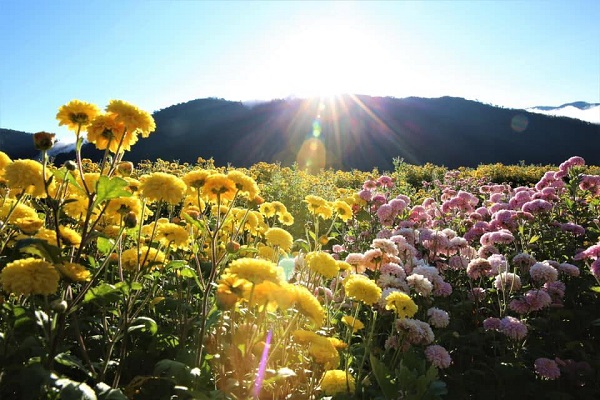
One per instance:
(25,175)
(343,265)
(254,270)
(262,295)
(230,289)
(4,161)
(76,114)
(303,336)
(196,179)
(337,343)
(162,186)
(400,302)
(219,186)
(342,210)
(106,132)
(353,323)
(267,209)
(325,212)
(29,276)
(337,381)
(314,202)
(322,263)
(193,200)
(75,272)
(286,219)
(17,211)
(68,236)
(120,207)
(170,234)
(361,288)
(324,352)
(29,226)
(132,260)
(245,184)
(309,306)
(76,207)
(132,117)
(279,237)
(279,208)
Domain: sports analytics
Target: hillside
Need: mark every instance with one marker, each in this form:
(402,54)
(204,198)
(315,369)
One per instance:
(361,132)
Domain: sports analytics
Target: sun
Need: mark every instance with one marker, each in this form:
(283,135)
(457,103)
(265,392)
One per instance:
(326,59)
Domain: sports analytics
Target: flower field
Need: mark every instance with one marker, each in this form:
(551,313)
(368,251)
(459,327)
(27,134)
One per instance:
(176,281)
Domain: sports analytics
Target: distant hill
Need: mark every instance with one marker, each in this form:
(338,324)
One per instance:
(17,144)
(582,110)
(360,132)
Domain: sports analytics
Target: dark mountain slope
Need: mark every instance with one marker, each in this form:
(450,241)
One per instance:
(361,132)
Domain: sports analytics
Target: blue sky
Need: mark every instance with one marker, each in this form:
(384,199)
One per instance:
(159,53)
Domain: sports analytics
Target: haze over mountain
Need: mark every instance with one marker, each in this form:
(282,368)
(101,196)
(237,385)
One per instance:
(582,110)
(354,132)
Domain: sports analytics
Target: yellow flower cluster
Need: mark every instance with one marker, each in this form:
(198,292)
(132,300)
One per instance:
(361,288)
(322,263)
(337,381)
(29,276)
(400,302)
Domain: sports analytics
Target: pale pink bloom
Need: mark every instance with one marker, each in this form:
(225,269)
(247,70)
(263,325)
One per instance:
(420,284)
(476,294)
(536,206)
(507,281)
(546,368)
(427,271)
(398,205)
(389,280)
(523,262)
(479,268)
(379,199)
(371,258)
(569,269)
(441,288)
(543,272)
(590,183)
(555,289)
(513,328)
(408,234)
(385,181)
(575,229)
(385,213)
(391,342)
(355,259)
(438,318)
(384,234)
(386,245)
(393,269)
(458,262)
(338,248)
(491,324)
(323,293)
(595,268)
(404,198)
(497,207)
(519,306)
(438,356)
(365,195)
(498,263)
(592,252)
(537,299)
(417,332)
(369,184)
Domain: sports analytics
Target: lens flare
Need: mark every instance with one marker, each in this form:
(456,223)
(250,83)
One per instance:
(260,375)
(519,123)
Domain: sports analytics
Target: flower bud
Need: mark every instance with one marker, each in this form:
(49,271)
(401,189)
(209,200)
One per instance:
(130,220)
(232,247)
(58,305)
(125,168)
(70,165)
(44,140)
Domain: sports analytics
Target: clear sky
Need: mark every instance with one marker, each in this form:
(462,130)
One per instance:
(155,54)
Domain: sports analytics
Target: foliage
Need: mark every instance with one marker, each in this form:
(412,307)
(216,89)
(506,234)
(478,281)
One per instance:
(172,280)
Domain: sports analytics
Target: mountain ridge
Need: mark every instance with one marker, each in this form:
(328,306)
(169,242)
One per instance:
(359,131)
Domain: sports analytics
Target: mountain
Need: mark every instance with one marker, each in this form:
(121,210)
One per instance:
(17,144)
(360,132)
(582,110)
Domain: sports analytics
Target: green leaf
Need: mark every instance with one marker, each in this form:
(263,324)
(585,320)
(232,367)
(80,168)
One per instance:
(534,239)
(595,289)
(40,248)
(63,174)
(175,370)
(71,361)
(596,322)
(143,324)
(103,293)
(176,264)
(110,188)
(105,392)
(188,272)
(104,245)
(384,378)
(72,390)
